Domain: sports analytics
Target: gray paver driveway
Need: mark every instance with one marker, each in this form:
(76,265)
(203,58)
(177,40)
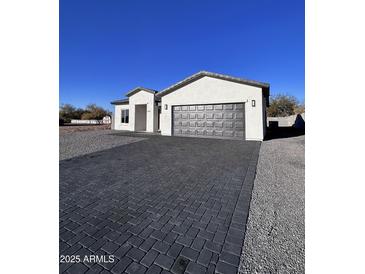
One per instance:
(164,204)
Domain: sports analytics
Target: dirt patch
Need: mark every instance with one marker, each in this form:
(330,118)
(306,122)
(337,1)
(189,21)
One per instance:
(76,128)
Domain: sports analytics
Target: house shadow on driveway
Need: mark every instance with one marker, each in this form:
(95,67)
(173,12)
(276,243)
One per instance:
(276,132)
(283,132)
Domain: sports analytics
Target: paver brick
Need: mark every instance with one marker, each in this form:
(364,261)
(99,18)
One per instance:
(214,258)
(224,268)
(77,268)
(198,244)
(147,244)
(135,268)
(229,258)
(154,269)
(170,238)
(175,250)
(204,257)
(194,268)
(189,253)
(234,240)
(180,265)
(121,251)
(214,247)
(133,210)
(161,247)
(112,236)
(121,265)
(158,235)
(211,269)
(219,237)
(97,245)
(185,241)
(167,228)
(67,235)
(100,233)
(110,247)
(135,241)
(232,248)
(164,261)
(72,249)
(123,238)
(149,258)
(192,232)
(94,269)
(135,254)
(206,235)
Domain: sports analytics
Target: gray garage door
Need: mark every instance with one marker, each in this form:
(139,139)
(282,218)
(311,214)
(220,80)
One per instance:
(210,121)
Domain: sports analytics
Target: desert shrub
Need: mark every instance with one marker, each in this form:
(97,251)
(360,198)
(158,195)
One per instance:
(92,112)
(284,105)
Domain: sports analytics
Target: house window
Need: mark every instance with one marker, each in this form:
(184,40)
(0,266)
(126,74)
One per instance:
(125,116)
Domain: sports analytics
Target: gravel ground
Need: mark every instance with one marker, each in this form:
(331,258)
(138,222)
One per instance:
(79,143)
(69,128)
(274,241)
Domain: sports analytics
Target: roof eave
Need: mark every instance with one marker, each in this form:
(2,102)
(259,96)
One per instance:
(120,102)
(138,89)
(202,74)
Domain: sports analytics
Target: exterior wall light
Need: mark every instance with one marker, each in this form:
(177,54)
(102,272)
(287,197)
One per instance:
(165,107)
(253,103)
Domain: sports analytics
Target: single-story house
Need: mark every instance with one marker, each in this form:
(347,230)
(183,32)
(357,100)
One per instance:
(206,104)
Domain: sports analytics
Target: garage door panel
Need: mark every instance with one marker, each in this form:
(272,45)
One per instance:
(228,124)
(209,115)
(239,115)
(239,126)
(218,124)
(227,133)
(229,115)
(212,121)
(228,106)
(218,115)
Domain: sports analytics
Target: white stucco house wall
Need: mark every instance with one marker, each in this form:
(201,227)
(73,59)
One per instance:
(205,105)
